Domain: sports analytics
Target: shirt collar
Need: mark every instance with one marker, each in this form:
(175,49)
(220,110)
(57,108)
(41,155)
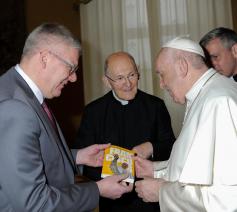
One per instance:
(31,84)
(123,102)
(194,91)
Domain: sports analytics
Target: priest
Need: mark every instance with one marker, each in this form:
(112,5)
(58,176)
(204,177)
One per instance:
(127,117)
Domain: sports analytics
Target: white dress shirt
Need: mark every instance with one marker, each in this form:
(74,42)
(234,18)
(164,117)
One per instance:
(31,84)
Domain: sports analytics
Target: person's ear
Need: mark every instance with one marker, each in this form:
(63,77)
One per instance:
(106,82)
(234,50)
(138,75)
(183,67)
(43,58)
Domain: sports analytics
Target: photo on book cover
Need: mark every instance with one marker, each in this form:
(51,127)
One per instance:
(118,160)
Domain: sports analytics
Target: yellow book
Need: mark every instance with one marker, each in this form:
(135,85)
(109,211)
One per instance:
(118,160)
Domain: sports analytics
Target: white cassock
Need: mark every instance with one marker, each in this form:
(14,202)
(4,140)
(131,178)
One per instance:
(202,169)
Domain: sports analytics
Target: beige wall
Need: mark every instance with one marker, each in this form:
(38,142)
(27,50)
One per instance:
(54,10)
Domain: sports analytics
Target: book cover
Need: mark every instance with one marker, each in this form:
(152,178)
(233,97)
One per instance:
(118,160)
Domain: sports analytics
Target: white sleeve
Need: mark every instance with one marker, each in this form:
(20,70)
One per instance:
(178,197)
(160,168)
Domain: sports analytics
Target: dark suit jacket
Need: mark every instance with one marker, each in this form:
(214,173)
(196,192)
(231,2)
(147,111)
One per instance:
(36,167)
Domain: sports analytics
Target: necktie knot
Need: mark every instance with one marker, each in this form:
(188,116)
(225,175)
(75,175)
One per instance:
(49,114)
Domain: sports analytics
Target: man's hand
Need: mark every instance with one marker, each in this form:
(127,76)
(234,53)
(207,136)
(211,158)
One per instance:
(144,150)
(112,187)
(148,189)
(92,155)
(143,167)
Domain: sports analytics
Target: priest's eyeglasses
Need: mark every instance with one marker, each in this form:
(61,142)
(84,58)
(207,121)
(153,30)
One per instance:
(72,68)
(121,79)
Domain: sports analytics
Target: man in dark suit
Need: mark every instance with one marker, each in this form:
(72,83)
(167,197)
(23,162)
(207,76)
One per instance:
(127,117)
(220,45)
(36,167)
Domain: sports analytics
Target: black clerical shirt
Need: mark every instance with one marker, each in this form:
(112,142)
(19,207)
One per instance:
(106,120)
(145,118)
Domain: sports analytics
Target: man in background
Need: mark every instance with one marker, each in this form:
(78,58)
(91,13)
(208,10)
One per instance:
(200,174)
(220,45)
(127,117)
(37,169)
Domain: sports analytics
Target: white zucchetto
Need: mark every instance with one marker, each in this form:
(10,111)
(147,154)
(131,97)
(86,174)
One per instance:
(185,44)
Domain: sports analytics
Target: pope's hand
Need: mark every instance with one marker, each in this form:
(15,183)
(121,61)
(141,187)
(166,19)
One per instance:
(143,167)
(148,189)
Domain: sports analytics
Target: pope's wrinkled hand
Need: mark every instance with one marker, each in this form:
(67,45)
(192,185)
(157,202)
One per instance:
(143,167)
(148,189)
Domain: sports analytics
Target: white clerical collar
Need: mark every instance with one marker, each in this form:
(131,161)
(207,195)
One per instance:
(197,86)
(31,84)
(196,89)
(123,102)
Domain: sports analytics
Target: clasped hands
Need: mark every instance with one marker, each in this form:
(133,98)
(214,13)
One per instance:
(114,187)
(147,188)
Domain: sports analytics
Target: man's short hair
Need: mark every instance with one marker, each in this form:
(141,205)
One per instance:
(227,36)
(49,34)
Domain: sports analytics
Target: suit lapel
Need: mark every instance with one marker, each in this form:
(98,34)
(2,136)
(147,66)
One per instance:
(31,99)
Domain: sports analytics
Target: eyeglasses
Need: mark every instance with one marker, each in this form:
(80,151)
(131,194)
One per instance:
(121,79)
(72,68)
